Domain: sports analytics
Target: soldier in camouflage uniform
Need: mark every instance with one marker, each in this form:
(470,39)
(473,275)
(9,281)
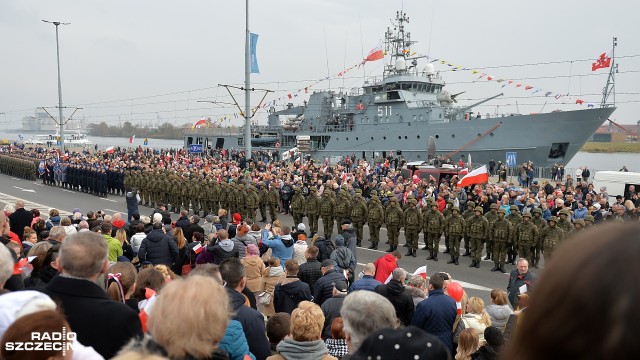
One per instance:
(578,227)
(241,200)
(342,207)
(412,225)
(231,198)
(492,216)
(433,225)
(477,228)
(327,206)
(263,195)
(551,237)
(588,221)
(223,195)
(297,206)
(273,200)
(515,219)
(426,210)
(540,224)
(466,215)
(144,191)
(375,217)
(525,236)
(502,234)
(394,219)
(253,200)
(359,214)
(312,209)
(454,226)
(564,223)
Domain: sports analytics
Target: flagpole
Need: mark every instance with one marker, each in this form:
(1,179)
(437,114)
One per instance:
(247,89)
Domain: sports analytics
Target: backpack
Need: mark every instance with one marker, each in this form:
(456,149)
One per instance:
(330,245)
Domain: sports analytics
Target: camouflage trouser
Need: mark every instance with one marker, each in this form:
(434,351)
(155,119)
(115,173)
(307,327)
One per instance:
(263,211)
(411,236)
(536,252)
(273,212)
(548,249)
(313,223)
(489,247)
(467,243)
(393,231)
(327,223)
(476,248)
(454,245)
(143,196)
(358,226)
(433,242)
(374,233)
(512,250)
(224,205)
(526,251)
(297,217)
(499,254)
(251,214)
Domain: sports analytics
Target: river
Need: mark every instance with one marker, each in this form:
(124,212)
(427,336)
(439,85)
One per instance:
(595,161)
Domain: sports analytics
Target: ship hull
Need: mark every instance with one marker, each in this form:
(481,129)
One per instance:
(544,139)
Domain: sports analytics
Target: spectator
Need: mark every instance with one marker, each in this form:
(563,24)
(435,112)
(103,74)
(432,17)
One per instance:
(147,278)
(300,246)
(324,286)
(476,317)
(252,321)
(224,220)
(223,249)
(385,265)
(208,225)
(36,216)
(83,226)
(65,222)
(56,235)
(192,227)
(20,219)
(241,240)
(305,341)
(254,268)
(517,279)
(118,224)
(278,327)
(311,270)
(290,291)
(281,245)
(83,256)
(183,220)
(39,250)
(337,344)
(467,345)
(417,289)
(493,346)
(202,330)
(559,309)
(363,313)
(121,278)
(343,258)
(113,245)
(127,250)
(437,313)
(407,343)
(395,292)
(368,282)
(132,199)
(136,239)
(235,221)
(255,234)
(272,275)
(158,247)
(181,243)
(133,223)
(54,219)
(6,264)
(499,311)
(325,247)
(331,307)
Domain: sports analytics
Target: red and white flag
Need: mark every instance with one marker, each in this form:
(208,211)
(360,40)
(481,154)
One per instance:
(198,248)
(131,139)
(110,150)
(477,176)
(603,61)
(375,54)
(422,271)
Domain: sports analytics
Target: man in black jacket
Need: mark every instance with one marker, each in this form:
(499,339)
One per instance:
(398,295)
(192,227)
(98,321)
(291,291)
(233,274)
(324,285)
(19,219)
(158,247)
(310,271)
(331,308)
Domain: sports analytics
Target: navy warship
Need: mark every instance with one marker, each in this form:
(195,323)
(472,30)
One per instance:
(398,113)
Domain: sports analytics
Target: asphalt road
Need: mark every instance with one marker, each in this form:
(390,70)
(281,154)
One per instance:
(477,282)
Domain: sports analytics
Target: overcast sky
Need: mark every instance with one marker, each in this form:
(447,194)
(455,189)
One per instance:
(135,50)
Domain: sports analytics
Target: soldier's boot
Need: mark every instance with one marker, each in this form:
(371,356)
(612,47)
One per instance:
(430,256)
(435,256)
(477,264)
(414,252)
(502,270)
(452,260)
(488,257)
(513,260)
(409,252)
(535,264)
(373,246)
(466,252)
(425,247)
(391,248)
(456,261)
(446,251)
(496,267)
(359,243)
(406,245)
(473,263)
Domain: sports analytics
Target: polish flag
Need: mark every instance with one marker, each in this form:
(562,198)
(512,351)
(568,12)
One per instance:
(422,271)
(603,61)
(375,54)
(477,176)
(110,150)
(131,139)
(198,248)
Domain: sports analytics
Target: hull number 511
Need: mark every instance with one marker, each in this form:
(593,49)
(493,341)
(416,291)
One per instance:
(384,110)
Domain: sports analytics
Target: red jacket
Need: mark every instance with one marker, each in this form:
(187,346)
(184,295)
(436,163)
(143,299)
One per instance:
(384,266)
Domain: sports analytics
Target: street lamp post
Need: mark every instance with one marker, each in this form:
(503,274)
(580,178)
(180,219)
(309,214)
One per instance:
(60,119)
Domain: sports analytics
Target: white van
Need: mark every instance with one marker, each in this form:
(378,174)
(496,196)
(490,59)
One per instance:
(616,182)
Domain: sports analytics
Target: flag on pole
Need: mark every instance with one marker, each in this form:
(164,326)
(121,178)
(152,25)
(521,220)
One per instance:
(603,61)
(375,54)
(110,150)
(198,248)
(131,139)
(422,271)
(477,176)
(253,58)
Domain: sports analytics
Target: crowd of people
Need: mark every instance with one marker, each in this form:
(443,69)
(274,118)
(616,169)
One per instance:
(292,292)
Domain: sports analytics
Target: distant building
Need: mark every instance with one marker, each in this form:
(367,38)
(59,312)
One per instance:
(40,123)
(612,133)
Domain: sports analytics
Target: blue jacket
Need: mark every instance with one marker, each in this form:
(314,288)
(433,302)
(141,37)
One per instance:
(579,213)
(159,248)
(252,324)
(234,342)
(282,248)
(436,315)
(366,283)
(324,286)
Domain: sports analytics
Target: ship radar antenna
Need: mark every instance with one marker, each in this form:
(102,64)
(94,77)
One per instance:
(610,88)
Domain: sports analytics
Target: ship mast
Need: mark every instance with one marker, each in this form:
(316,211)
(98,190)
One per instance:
(397,45)
(610,88)
(247,88)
